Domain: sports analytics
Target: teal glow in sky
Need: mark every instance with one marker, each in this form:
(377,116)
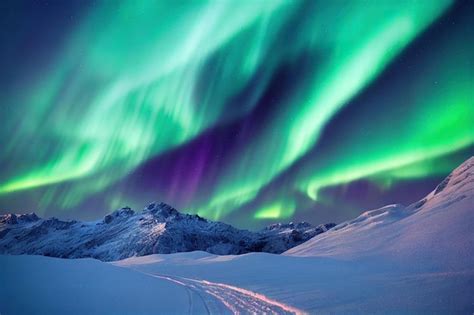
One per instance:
(244,111)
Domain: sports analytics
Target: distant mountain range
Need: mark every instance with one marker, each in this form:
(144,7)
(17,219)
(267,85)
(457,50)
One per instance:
(158,229)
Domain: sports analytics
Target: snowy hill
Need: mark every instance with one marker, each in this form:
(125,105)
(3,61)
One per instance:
(436,230)
(159,228)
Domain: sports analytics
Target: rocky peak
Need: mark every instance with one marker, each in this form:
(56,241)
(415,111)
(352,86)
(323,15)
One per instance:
(122,213)
(161,209)
(28,217)
(11,218)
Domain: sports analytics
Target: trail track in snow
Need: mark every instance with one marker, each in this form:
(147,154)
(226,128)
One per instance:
(220,298)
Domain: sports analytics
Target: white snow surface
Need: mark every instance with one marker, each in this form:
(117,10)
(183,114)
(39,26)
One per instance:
(394,260)
(44,285)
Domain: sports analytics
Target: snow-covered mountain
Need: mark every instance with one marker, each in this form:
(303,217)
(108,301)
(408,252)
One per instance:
(438,229)
(159,228)
(394,260)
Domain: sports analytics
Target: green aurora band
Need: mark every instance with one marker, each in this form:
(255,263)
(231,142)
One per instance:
(122,90)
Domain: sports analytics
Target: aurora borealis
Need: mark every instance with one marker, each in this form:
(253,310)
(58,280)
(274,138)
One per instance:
(244,111)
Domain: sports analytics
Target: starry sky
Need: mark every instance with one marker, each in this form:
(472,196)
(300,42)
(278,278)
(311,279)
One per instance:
(248,112)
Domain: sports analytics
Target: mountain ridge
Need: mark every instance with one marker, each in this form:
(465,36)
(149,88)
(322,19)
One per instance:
(158,228)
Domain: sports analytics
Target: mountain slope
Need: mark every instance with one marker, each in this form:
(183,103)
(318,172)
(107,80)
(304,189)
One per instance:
(159,228)
(436,230)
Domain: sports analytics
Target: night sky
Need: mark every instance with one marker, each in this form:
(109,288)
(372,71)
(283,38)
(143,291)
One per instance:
(248,112)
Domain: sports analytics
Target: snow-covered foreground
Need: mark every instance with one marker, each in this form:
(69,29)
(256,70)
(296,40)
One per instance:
(43,285)
(324,285)
(393,260)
